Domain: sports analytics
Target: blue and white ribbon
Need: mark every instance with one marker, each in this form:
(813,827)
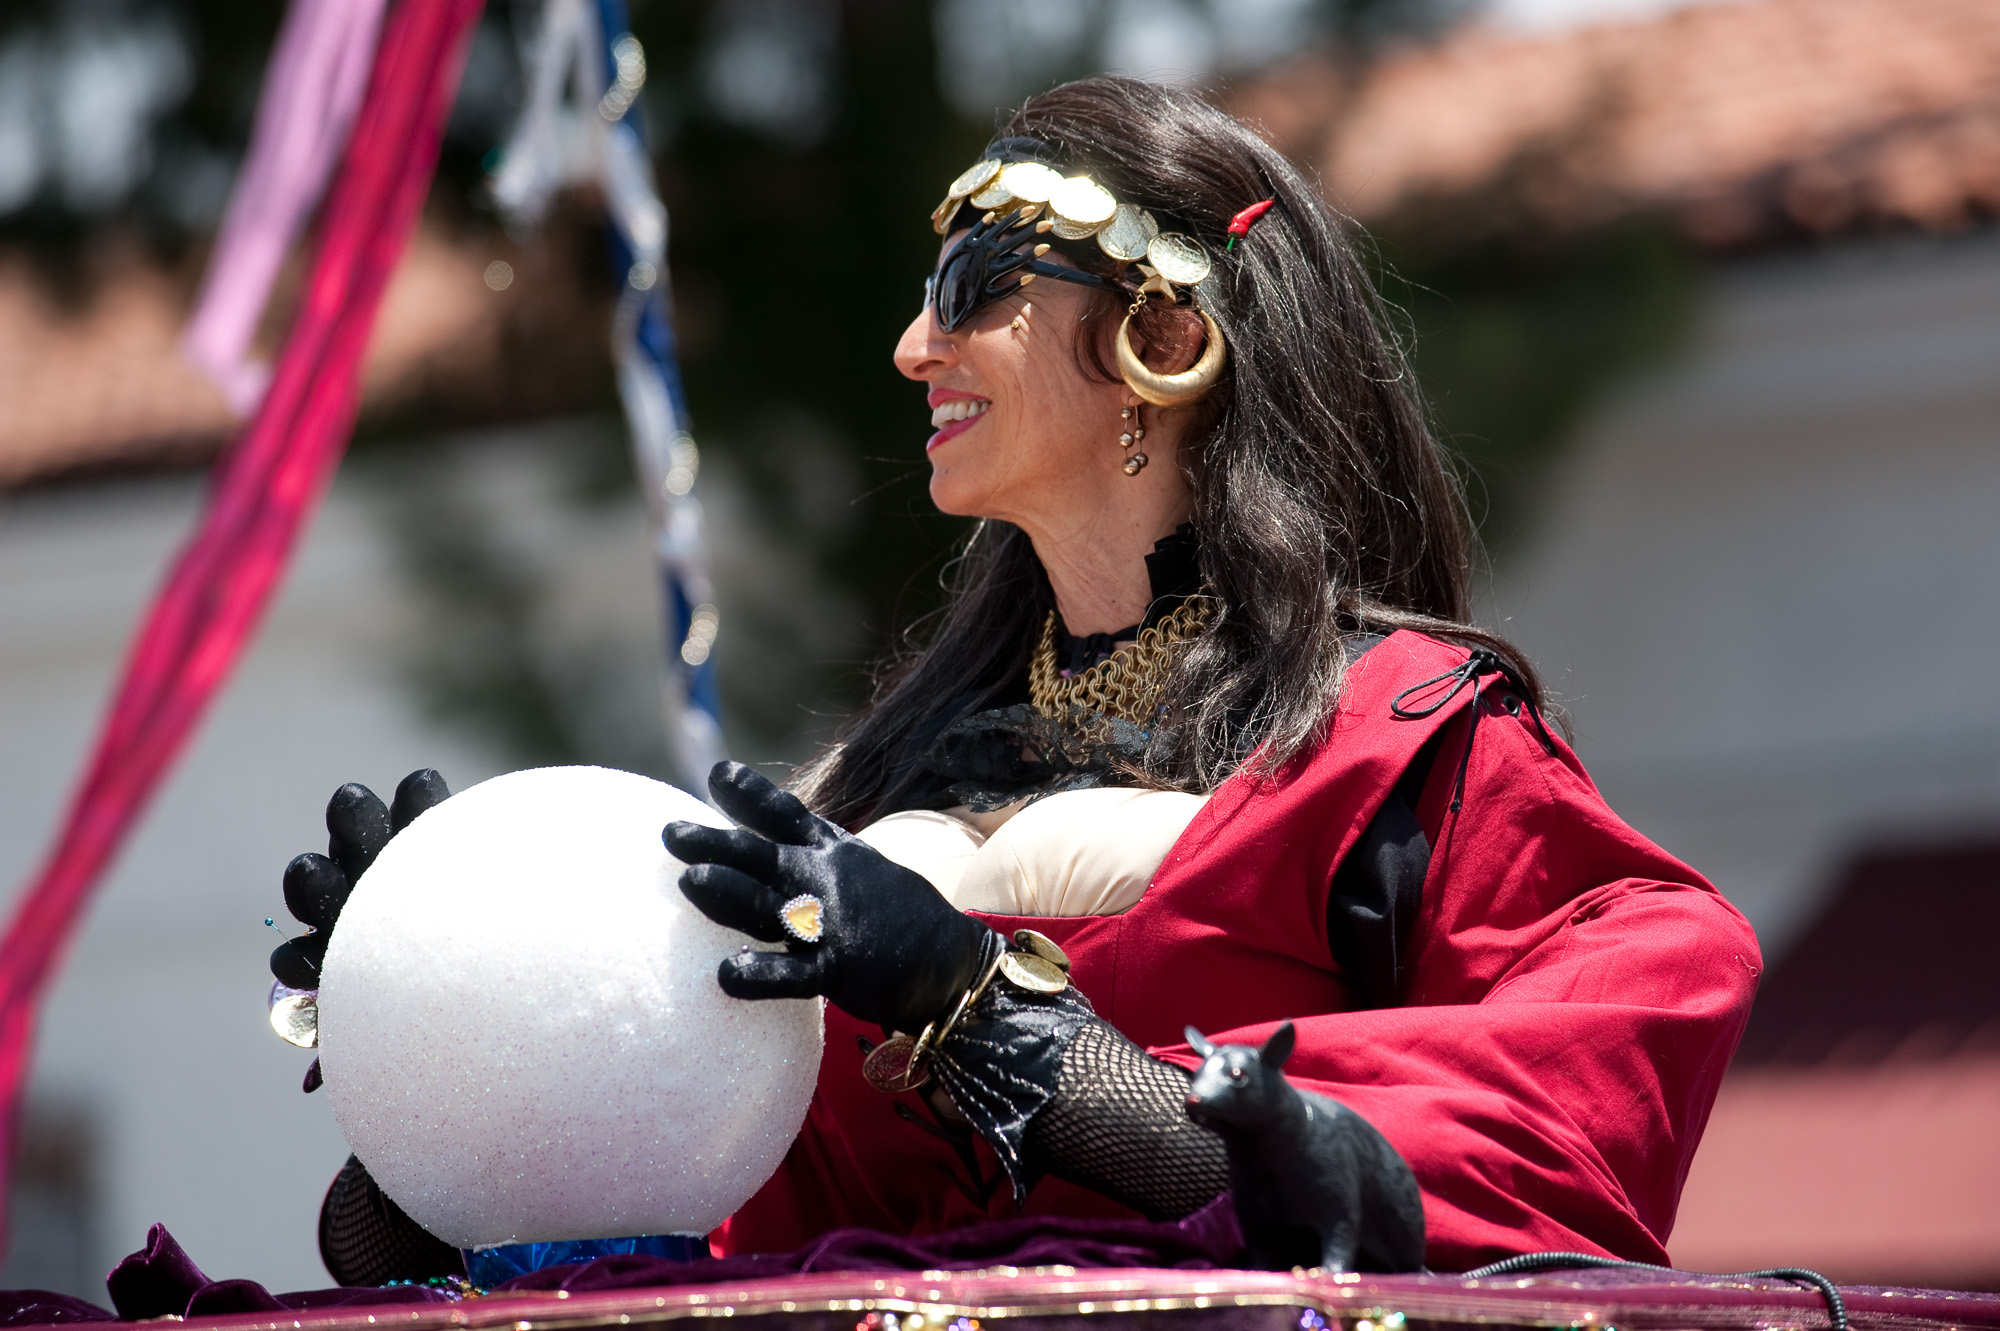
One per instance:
(586,70)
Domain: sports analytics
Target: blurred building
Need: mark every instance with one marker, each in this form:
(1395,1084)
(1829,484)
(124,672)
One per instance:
(1765,576)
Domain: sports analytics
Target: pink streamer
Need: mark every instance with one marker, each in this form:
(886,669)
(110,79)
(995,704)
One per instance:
(312,89)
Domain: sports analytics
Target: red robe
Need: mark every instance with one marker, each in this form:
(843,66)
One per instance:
(1572,996)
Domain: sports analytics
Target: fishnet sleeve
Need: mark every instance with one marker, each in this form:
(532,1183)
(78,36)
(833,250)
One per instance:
(1055,1089)
(1118,1125)
(366,1239)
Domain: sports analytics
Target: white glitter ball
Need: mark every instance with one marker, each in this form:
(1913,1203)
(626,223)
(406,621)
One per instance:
(521,1029)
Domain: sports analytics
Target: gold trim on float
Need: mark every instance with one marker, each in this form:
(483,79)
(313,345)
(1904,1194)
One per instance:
(941,1312)
(1341,1297)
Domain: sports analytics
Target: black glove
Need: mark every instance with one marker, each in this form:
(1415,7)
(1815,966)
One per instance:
(316,886)
(890,949)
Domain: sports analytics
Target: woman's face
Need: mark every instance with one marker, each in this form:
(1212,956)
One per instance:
(1023,432)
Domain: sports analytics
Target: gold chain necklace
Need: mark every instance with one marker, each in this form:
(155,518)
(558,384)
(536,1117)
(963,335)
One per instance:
(1128,683)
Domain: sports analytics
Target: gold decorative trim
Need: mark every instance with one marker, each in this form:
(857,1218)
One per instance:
(1347,1301)
(938,1312)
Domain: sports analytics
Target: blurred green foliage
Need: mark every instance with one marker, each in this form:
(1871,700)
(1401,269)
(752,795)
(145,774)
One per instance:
(798,259)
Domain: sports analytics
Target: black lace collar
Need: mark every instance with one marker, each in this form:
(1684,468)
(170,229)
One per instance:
(1174,569)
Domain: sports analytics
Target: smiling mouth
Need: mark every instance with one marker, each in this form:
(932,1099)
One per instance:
(959,409)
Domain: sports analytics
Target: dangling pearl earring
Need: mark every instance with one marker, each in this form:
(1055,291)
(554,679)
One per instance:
(1135,430)
(1017,325)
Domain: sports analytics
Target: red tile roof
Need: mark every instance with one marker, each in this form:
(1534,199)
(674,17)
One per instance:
(1886,1174)
(1749,122)
(99,383)
(1895,964)
(87,386)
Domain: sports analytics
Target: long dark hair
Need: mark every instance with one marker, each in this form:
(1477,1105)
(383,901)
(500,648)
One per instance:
(1323,503)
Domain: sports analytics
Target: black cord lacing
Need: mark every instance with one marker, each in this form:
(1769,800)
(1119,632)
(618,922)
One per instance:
(1471,671)
(1836,1307)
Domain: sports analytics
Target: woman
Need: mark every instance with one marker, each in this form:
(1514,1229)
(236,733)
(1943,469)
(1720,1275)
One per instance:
(1206,670)
(1532,1003)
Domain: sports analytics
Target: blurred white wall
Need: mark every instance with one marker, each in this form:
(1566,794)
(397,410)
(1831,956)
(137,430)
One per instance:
(156,1031)
(1767,583)
(155,1064)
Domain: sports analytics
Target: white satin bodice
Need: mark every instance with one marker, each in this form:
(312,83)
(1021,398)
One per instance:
(1082,852)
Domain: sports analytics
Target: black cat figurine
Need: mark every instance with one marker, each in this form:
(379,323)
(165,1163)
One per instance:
(1313,1182)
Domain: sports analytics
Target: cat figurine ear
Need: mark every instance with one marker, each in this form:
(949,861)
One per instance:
(1279,1047)
(1198,1042)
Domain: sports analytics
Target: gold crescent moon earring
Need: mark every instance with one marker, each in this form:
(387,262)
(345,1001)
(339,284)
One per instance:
(1172,390)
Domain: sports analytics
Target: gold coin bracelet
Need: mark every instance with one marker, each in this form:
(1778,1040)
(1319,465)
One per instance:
(1033,963)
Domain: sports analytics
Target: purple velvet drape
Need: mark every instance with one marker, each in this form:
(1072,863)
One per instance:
(161,1279)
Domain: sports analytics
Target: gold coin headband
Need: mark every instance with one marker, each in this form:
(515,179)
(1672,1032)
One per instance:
(1079,209)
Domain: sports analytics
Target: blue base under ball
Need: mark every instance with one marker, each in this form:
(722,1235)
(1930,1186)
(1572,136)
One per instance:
(487,1267)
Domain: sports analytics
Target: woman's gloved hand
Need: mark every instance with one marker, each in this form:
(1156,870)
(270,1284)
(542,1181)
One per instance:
(358,825)
(882,944)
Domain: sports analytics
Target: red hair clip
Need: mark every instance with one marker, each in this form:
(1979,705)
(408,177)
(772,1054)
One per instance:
(1239,225)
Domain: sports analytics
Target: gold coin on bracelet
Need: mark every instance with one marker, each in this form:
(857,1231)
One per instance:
(1035,973)
(1042,946)
(934,1034)
(892,1066)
